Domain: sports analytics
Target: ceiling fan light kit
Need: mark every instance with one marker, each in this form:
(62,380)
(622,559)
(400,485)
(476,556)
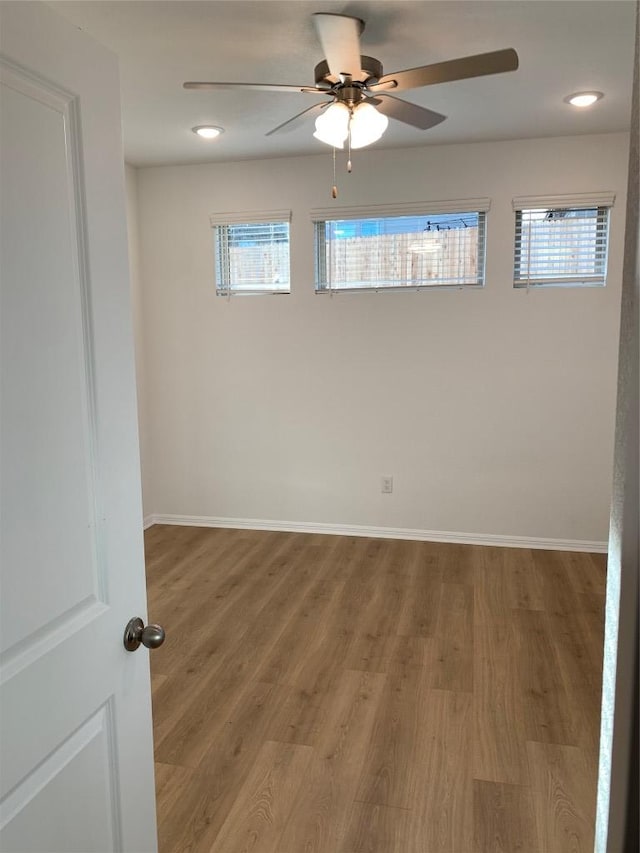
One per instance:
(361,124)
(361,103)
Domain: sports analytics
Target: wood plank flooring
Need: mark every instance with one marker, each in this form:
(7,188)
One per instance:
(325,694)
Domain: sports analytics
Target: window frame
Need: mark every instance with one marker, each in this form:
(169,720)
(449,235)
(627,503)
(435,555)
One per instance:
(602,203)
(221,223)
(461,207)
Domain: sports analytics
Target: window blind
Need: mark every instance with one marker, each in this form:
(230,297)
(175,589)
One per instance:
(393,252)
(574,201)
(561,246)
(409,208)
(242,217)
(252,257)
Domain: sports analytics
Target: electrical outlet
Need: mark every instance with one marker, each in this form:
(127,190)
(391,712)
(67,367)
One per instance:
(386,485)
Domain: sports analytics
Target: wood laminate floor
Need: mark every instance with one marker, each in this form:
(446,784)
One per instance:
(325,694)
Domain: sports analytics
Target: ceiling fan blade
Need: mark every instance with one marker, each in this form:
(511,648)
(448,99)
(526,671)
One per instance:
(408,113)
(340,39)
(372,97)
(260,87)
(291,123)
(454,69)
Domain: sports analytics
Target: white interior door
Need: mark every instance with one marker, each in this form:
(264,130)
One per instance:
(76,771)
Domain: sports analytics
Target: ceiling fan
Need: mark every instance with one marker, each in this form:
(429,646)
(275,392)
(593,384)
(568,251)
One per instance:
(360,93)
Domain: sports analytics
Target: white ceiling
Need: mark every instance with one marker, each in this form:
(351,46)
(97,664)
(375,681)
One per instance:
(564,46)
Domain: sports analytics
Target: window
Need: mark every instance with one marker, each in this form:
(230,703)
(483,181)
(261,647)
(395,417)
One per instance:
(414,246)
(561,242)
(251,252)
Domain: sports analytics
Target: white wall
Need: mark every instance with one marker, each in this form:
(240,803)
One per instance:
(493,410)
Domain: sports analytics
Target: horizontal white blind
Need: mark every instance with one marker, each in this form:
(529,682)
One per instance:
(252,257)
(430,250)
(243,217)
(574,201)
(561,246)
(414,208)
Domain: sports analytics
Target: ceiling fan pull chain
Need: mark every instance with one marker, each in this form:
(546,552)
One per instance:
(349,142)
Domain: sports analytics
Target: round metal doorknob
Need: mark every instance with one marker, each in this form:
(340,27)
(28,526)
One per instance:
(135,633)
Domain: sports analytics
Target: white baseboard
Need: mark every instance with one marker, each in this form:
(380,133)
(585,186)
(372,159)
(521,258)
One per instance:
(381,532)
(148,521)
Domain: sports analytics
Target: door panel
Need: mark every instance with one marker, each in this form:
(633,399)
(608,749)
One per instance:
(46,443)
(76,753)
(75,781)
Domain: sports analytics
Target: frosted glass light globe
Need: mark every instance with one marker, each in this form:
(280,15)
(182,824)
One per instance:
(367,125)
(332,126)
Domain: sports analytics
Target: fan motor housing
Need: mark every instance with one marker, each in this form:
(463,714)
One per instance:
(370,68)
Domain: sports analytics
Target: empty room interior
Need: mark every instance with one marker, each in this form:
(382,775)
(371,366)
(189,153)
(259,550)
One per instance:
(375,305)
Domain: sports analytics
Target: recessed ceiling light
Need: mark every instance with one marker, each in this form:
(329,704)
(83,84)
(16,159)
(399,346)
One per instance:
(583,99)
(208,131)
